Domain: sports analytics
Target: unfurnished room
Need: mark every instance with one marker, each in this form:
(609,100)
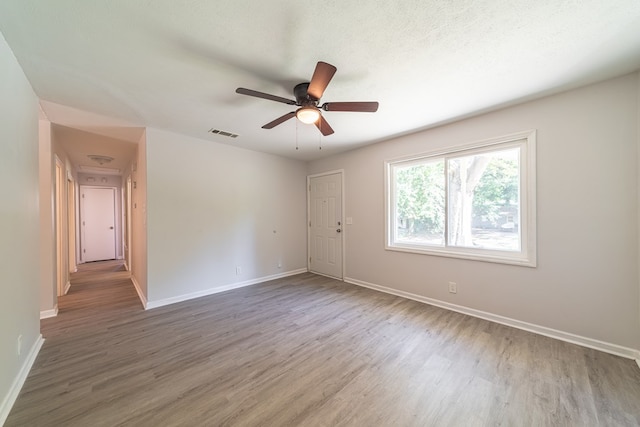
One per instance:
(320,213)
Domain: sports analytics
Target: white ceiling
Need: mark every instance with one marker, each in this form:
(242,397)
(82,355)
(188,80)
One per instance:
(175,64)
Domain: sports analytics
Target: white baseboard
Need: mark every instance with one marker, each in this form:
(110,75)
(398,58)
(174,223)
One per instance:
(211,291)
(136,285)
(606,347)
(66,288)
(45,314)
(18,382)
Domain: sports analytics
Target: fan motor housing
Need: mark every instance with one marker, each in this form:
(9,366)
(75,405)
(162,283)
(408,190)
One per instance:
(302,96)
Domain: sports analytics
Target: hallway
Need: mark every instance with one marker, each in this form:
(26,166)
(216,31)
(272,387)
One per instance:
(99,291)
(100,271)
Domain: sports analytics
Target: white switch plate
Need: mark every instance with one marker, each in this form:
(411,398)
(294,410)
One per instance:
(349,220)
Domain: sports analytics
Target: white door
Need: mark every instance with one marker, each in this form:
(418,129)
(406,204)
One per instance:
(98,223)
(325,225)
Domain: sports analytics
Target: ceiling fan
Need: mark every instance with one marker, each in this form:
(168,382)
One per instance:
(307,98)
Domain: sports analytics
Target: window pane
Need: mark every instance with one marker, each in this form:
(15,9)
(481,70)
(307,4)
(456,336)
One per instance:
(475,201)
(419,209)
(484,200)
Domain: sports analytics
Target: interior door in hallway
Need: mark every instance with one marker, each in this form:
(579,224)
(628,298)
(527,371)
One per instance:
(325,225)
(98,223)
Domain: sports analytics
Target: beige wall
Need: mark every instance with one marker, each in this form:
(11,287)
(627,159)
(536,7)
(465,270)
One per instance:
(638,194)
(67,170)
(212,208)
(586,282)
(48,294)
(19,225)
(139,219)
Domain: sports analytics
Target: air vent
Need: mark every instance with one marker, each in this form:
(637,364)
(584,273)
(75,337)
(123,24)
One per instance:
(223,133)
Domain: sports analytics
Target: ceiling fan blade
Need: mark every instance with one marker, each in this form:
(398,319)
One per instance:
(279,120)
(363,107)
(250,92)
(324,127)
(321,77)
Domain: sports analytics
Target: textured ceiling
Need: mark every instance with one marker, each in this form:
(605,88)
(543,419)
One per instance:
(175,64)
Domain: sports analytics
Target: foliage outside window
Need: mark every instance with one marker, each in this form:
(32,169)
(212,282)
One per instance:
(475,202)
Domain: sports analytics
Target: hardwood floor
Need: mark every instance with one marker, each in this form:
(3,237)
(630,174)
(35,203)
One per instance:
(307,350)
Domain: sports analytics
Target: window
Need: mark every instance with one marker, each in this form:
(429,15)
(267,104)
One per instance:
(474,202)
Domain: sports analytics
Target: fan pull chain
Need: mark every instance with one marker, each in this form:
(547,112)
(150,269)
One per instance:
(296,134)
(320,134)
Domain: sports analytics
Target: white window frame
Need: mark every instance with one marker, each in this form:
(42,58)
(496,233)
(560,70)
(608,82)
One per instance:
(527,254)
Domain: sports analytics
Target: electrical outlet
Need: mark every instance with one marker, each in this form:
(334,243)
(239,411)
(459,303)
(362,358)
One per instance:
(238,270)
(19,345)
(280,265)
(453,288)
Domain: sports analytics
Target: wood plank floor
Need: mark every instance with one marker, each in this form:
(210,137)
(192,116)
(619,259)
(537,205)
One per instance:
(306,350)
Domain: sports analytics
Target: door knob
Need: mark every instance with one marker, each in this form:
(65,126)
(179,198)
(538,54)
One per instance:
(110,228)
(338,230)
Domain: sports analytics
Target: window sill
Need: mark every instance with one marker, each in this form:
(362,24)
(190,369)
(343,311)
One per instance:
(474,255)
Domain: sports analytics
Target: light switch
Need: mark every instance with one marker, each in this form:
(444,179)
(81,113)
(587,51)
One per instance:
(349,220)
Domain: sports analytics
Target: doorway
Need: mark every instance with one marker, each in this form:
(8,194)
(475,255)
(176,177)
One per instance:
(98,216)
(325,200)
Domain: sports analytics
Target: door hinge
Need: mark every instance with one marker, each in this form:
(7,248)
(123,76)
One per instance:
(309,259)
(309,223)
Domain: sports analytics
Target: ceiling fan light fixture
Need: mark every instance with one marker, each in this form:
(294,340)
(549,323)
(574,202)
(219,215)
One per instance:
(307,97)
(100,159)
(308,115)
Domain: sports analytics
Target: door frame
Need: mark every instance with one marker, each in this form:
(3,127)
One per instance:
(342,216)
(115,217)
(71,224)
(60,203)
(127,197)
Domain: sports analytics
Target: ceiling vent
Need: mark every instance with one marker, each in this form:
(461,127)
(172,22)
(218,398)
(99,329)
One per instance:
(223,133)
